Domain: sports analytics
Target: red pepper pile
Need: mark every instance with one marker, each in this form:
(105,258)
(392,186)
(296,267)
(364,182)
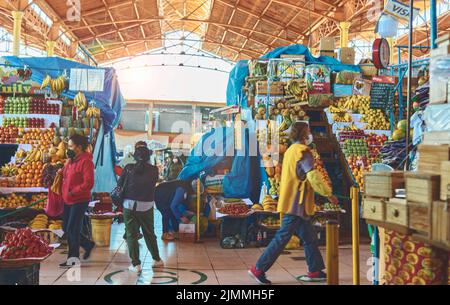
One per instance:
(24,243)
(235,209)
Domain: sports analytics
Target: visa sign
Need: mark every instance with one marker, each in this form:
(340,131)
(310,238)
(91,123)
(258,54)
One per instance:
(399,10)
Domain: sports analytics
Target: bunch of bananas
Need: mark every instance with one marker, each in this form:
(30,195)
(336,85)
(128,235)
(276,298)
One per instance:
(55,225)
(58,85)
(334,109)
(269,204)
(356,103)
(21,154)
(47,80)
(9,170)
(40,222)
(342,117)
(92,112)
(80,101)
(298,88)
(34,155)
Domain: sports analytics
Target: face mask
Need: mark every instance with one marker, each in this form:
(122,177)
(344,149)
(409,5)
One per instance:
(71,154)
(309,140)
(175,160)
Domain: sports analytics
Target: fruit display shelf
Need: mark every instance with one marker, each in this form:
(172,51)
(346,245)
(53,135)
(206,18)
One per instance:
(21,190)
(49,119)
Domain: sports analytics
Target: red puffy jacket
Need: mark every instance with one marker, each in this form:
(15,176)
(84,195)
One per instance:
(78,179)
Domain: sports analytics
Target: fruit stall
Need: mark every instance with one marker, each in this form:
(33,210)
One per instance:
(38,114)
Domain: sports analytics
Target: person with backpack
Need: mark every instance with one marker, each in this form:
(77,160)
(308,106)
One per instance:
(138,182)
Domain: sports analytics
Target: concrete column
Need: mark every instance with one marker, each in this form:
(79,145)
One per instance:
(17,28)
(344,26)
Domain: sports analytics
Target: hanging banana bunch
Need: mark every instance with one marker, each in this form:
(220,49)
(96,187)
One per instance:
(92,112)
(46,81)
(80,101)
(58,85)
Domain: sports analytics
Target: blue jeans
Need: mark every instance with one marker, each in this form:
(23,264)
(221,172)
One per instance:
(169,221)
(305,231)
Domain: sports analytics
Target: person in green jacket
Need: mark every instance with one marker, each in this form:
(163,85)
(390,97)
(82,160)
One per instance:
(174,168)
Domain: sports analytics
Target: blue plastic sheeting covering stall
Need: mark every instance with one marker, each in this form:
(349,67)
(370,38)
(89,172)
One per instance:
(243,179)
(236,81)
(105,179)
(209,152)
(110,101)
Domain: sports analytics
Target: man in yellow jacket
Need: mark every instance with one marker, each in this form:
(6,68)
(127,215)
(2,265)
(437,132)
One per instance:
(299,182)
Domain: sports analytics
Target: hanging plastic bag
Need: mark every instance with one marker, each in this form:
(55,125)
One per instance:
(55,204)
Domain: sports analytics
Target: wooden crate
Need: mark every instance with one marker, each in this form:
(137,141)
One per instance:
(440,222)
(374,209)
(422,187)
(431,157)
(383,184)
(397,212)
(445,180)
(276,88)
(419,218)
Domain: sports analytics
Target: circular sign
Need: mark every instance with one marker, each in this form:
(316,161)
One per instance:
(381,53)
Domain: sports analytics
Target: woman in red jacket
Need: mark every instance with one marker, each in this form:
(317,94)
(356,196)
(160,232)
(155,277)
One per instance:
(78,181)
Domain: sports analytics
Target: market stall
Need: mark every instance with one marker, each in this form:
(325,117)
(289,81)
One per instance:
(38,113)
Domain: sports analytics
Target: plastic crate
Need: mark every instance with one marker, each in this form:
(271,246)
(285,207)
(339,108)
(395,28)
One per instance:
(20,276)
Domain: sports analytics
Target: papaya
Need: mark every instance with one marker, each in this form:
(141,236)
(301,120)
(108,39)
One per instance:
(270,171)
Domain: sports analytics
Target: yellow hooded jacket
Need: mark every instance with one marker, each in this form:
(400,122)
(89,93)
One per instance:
(290,184)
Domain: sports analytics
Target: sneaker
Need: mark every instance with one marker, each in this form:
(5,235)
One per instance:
(259,276)
(137,269)
(167,236)
(65,265)
(157,264)
(88,252)
(316,277)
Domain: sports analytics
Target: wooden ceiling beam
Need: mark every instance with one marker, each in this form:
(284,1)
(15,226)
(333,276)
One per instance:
(228,22)
(115,26)
(307,10)
(110,6)
(265,19)
(257,23)
(136,11)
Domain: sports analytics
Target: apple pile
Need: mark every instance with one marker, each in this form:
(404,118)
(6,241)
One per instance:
(17,105)
(23,122)
(375,143)
(355,147)
(42,106)
(23,243)
(8,135)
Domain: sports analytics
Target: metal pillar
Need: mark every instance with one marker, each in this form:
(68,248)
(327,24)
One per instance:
(332,249)
(17,28)
(50,48)
(343,37)
(199,195)
(355,234)
(433,23)
(408,98)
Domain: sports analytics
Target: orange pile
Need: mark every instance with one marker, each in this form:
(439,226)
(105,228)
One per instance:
(30,174)
(43,138)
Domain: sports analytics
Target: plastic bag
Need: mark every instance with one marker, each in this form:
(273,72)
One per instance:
(55,205)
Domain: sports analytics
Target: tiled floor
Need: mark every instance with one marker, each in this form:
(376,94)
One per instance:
(187,263)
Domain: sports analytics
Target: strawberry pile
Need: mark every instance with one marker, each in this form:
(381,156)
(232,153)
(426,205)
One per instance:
(23,243)
(235,209)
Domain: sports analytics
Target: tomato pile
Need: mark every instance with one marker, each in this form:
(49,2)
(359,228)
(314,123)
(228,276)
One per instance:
(24,243)
(235,209)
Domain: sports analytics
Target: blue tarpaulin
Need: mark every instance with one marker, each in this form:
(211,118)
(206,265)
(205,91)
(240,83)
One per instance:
(235,94)
(110,101)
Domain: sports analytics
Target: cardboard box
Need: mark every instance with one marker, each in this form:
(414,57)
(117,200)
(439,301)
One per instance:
(276,88)
(187,232)
(445,180)
(431,157)
(328,53)
(347,56)
(327,44)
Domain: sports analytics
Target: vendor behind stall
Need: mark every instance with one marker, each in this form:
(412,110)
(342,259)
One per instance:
(180,201)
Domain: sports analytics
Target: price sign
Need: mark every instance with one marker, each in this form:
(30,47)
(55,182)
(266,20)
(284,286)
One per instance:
(382,92)
(88,80)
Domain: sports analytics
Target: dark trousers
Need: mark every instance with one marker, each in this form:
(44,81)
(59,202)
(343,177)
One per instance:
(305,231)
(73,222)
(169,221)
